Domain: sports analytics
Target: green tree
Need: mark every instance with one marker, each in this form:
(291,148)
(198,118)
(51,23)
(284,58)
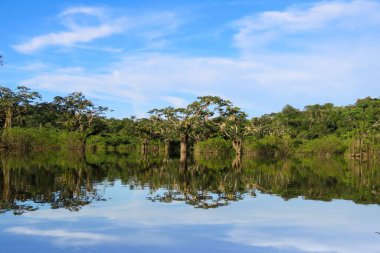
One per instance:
(77,113)
(196,122)
(234,126)
(163,130)
(15,105)
(144,129)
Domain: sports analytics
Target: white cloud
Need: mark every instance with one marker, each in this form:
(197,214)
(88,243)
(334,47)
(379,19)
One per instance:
(299,239)
(298,56)
(65,237)
(87,10)
(150,27)
(146,80)
(176,101)
(68,38)
(260,85)
(345,16)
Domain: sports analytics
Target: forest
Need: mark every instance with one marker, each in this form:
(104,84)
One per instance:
(210,124)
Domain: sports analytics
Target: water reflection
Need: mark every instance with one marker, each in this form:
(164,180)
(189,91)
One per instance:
(71,181)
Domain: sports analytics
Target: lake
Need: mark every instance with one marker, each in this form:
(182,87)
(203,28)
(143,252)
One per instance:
(112,202)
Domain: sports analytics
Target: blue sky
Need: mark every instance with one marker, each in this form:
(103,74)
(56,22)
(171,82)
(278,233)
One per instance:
(137,55)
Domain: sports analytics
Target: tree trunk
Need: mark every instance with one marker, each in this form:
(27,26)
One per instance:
(236,164)
(167,148)
(183,165)
(84,143)
(7,182)
(8,118)
(144,147)
(184,143)
(85,138)
(237,145)
(88,183)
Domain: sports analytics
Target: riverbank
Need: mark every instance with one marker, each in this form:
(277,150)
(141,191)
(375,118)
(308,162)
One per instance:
(38,139)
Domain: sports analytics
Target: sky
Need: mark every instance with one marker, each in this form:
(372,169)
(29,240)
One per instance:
(133,56)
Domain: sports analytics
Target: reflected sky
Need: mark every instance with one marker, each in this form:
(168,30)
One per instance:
(128,222)
(125,220)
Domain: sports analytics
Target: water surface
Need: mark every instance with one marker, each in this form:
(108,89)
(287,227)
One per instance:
(109,202)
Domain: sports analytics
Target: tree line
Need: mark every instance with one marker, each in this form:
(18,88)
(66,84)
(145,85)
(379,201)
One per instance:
(24,108)
(207,120)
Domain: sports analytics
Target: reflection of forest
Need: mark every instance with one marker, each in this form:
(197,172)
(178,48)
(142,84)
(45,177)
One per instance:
(60,180)
(71,181)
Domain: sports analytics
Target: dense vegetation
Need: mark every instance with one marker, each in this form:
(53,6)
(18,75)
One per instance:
(30,123)
(209,124)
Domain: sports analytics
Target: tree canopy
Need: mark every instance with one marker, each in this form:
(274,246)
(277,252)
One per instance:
(207,117)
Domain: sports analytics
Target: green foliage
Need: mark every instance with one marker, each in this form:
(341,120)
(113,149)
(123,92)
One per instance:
(215,161)
(40,139)
(70,180)
(269,144)
(211,145)
(15,106)
(315,129)
(326,145)
(112,140)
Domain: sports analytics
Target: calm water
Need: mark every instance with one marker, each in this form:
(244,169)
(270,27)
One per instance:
(109,202)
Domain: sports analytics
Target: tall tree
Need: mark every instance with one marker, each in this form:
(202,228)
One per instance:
(176,126)
(16,104)
(163,130)
(234,125)
(195,122)
(77,113)
(144,130)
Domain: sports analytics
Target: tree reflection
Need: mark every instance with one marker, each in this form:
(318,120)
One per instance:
(71,180)
(60,183)
(200,187)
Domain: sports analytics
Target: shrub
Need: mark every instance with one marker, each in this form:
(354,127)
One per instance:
(40,139)
(326,145)
(269,145)
(214,145)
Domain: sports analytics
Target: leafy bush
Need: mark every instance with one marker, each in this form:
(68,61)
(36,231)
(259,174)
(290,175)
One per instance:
(269,145)
(217,144)
(326,145)
(40,139)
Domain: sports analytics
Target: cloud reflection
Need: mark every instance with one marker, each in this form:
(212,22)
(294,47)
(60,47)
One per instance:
(64,237)
(266,222)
